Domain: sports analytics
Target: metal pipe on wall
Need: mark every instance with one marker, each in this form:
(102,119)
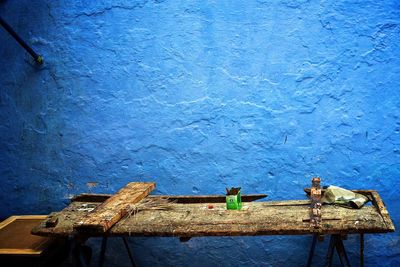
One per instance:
(38,58)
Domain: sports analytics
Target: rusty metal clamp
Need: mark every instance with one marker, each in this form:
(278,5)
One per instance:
(316,205)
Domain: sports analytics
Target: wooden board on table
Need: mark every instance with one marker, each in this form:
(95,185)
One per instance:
(105,215)
(176,199)
(256,218)
(16,237)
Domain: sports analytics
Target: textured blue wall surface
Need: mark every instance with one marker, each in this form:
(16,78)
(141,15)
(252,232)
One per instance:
(197,96)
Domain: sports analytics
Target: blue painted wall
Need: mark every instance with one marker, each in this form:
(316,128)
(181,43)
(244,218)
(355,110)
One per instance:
(197,96)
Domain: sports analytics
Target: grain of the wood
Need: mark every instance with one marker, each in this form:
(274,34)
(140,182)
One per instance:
(278,217)
(256,219)
(177,199)
(104,216)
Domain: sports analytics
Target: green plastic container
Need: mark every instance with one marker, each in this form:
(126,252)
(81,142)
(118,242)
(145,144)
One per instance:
(234,202)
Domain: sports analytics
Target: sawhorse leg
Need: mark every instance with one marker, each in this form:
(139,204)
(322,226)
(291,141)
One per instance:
(104,247)
(103,251)
(80,254)
(312,250)
(336,242)
(362,250)
(129,251)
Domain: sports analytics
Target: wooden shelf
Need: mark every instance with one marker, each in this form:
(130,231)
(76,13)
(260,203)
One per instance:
(16,237)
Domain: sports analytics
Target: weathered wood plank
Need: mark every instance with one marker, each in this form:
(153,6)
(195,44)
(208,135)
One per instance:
(177,199)
(104,216)
(255,218)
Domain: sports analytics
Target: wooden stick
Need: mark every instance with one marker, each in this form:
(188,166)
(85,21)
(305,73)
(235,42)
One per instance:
(377,201)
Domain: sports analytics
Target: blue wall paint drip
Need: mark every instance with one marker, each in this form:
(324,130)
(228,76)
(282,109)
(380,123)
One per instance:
(198,96)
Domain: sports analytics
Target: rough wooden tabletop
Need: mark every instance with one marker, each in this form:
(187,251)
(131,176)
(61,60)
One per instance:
(256,218)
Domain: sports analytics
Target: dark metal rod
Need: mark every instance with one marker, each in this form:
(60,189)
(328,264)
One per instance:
(129,251)
(340,254)
(82,259)
(103,251)
(38,58)
(73,252)
(342,251)
(329,255)
(362,250)
(311,254)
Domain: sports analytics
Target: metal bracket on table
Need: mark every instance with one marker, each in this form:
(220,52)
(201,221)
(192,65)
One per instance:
(336,240)
(316,205)
(315,215)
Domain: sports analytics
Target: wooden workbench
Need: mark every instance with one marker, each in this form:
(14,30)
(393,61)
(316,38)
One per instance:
(190,219)
(192,216)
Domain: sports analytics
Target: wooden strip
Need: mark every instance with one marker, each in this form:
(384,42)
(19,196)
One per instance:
(104,216)
(25,217)
(90,197)
(7,221)
(377,201)
(363,192)
(20,252)
(211,198)
(177,199)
